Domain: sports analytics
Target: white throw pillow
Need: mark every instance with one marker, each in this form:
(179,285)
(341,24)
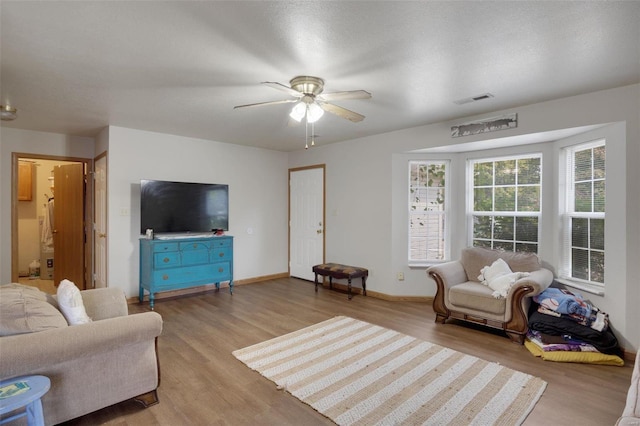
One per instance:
(71,304)
(497,268)
(503,283)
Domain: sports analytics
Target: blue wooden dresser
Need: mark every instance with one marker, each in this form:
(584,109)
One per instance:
(173,264)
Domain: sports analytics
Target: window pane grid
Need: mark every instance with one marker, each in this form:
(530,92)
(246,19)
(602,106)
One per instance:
(587,249)
(505,192)
(427,211)
(584,233)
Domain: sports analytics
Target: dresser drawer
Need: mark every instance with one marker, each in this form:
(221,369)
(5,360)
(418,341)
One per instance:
(194,274)
(221,272)
(225,242)
(166,260)
(195,257)
(164,247)
(220,254)
(194,245)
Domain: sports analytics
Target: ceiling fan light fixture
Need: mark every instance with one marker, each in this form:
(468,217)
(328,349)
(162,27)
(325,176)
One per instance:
(298,111)
(314,112)
(307,84)
(8,113)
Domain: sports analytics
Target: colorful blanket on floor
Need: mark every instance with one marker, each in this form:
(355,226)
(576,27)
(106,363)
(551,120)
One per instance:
(549,343)
(569,356)
(563,303)
(605,341)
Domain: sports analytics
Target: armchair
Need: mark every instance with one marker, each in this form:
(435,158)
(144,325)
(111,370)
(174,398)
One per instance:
(461,295)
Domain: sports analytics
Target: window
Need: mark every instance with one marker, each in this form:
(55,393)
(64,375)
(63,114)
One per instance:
(584,214)
(504,203)
(428,211)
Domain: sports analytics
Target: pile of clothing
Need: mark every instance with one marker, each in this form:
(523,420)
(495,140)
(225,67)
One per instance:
(565,327)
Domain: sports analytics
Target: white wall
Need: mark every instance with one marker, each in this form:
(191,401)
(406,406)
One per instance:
(366,186)
(257,180)
(29,142)
(365,194)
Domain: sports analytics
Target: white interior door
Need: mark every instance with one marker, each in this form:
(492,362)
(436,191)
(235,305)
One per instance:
(100,223)
(306,226)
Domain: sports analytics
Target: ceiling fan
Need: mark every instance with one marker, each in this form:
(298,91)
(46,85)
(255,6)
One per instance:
(311,102)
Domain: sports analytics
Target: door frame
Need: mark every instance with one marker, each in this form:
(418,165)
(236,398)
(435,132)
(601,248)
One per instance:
(88,213)
(324,209)
(101,156)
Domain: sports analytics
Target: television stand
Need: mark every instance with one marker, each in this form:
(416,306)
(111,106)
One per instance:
(174,264)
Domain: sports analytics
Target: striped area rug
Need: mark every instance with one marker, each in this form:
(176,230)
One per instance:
(357,373)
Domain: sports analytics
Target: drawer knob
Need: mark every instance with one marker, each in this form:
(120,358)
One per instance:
(221,254)
(165,260)
(165,277)
(220,269)
(195,245)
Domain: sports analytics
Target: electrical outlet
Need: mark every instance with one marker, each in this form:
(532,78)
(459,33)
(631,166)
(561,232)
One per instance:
(400,276)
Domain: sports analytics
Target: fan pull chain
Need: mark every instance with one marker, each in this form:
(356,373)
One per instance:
(306,134)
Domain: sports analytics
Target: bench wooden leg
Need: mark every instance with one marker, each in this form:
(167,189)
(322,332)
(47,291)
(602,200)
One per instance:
(349,288)
(316,282)
(364,285)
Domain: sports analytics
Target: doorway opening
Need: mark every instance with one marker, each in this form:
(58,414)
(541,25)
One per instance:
(51,221)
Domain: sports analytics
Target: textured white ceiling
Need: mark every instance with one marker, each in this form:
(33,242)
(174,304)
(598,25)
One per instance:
(180,67)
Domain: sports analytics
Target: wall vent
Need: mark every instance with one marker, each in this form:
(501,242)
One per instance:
(473,99)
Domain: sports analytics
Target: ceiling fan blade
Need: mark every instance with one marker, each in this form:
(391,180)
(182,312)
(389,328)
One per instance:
(284,101)
(338,96)
(341,112)
(284,88)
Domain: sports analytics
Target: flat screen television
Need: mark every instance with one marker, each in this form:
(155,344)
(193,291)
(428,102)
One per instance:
(183,207)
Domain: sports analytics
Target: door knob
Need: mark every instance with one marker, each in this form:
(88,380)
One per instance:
(102,235)
(319,231)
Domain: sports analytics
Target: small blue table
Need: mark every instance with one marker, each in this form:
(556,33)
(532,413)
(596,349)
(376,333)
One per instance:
(35,386)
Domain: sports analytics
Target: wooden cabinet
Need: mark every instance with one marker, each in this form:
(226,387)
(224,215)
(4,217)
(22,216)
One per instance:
(173,264)
(25,181)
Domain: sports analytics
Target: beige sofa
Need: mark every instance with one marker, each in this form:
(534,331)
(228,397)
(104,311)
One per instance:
(91,366)
(631,413)
(461,295)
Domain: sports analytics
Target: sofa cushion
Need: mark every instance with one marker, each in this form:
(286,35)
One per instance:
(473,259)
(473,295)
(25,309)
(71,303)
(521,262)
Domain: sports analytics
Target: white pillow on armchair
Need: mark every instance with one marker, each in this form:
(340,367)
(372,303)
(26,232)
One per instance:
(499,277)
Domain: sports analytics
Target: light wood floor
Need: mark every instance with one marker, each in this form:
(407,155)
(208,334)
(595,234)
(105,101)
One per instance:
(203,384)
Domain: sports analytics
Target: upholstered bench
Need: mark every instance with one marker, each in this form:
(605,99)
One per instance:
(338,271)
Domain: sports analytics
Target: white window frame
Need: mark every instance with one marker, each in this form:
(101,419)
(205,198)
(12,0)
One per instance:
(444,217)
(567,212)
(470,186)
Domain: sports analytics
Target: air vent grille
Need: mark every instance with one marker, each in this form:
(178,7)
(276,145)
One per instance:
(473,99)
